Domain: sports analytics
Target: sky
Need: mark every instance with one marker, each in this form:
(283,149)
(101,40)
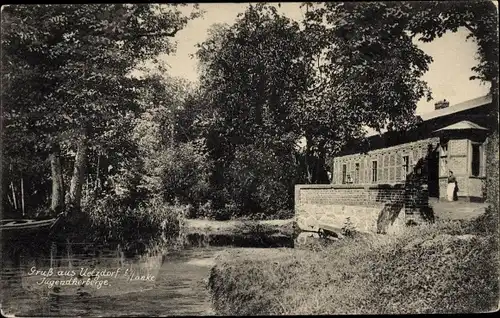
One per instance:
(448,75)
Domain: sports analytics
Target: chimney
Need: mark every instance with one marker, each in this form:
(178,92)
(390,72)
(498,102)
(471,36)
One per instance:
(442,104)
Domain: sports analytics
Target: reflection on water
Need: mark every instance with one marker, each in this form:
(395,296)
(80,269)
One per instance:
(80,279)
(252,240)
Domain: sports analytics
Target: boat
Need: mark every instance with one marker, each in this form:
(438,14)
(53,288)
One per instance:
(23,230)
(25,224)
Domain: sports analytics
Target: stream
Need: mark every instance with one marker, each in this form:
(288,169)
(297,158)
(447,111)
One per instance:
(86,283)
(42,278)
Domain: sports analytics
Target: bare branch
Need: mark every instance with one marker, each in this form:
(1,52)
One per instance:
(168,34)
(126,36)
(470,28)
(321,85)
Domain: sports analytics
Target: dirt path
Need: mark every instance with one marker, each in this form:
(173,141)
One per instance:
(457,210)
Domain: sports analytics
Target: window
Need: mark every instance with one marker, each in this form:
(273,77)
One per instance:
(384,173)
(406,166)
(349,179)
(356,173)
(444,149)
(344,174)
(476,160)
(443,165)
(374,171)
(392,167)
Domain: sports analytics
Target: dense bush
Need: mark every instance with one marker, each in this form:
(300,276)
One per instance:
(260,182)
(150,224)
(486,224)
(427,269)
(183,172)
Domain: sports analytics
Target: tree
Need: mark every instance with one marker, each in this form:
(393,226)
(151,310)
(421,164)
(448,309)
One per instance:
(252,80)
(67,70)
(254,74)
(368,74)
(159,135)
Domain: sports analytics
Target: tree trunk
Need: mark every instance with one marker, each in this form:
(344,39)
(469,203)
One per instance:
(75,194)
(321,174)
(10,200)
(57,201)
(315,165)
(97,184)
(492,160)
(87,187)
(13,195)
(308,158)
(22,195)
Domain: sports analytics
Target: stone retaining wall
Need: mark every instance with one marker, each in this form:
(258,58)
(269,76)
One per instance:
(379,209)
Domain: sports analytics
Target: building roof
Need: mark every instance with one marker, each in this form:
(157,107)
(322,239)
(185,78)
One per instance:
(469,104)
(463,125)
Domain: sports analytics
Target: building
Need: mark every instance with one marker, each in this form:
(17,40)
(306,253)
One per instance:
(448,138)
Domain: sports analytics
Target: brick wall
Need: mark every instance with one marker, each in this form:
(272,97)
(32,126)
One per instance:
(361,195)
(370,208)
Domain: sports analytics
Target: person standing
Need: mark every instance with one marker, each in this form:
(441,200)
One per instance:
(452,186)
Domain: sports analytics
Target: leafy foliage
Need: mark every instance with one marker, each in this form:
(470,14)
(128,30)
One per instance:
(66,70)
(348,229)
(262,182)
(363,48)
(255,96)
(66,77)
(78,59)
(252,79)
(184,173)
(135,228)
(480,18)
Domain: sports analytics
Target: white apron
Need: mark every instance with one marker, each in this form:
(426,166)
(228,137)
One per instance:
(450,191)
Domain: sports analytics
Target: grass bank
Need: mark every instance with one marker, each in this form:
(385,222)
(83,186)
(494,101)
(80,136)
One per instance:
(447,267)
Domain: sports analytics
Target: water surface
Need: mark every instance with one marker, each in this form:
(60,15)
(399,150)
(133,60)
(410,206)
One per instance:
(178,287)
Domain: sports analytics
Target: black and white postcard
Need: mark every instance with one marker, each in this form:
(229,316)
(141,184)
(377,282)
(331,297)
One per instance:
(267,158)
